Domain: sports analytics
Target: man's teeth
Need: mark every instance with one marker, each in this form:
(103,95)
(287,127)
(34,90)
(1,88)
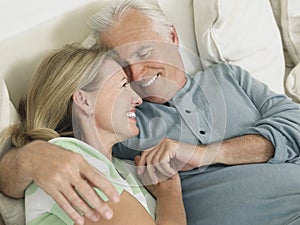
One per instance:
(147,84)
(131,114)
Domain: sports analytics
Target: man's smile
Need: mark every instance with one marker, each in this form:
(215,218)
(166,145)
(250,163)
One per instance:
(150,81)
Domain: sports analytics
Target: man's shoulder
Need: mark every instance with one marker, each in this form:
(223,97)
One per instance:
(222,67)
(217,70)
(222,71)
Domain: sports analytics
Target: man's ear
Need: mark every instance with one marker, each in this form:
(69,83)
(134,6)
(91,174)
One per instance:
(82,101)
(174,36)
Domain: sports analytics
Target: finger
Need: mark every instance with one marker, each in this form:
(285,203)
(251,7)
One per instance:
(158,161)
(152,175)
(144,178)
(92,198)
(139,168)
(151,170)
(161,163)
(137,159)
(94,177)
(142,162)
(168,164)
(69,209)
(165,169)
(79,203)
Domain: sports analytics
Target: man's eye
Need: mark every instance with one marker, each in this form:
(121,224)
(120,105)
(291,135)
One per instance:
(145,53)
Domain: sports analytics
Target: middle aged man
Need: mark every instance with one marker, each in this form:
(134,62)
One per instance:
(221,103)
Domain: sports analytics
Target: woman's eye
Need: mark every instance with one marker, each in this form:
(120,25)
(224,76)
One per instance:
(125,84)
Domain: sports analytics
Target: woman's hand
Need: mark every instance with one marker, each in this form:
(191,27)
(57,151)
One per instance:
(167,158)
(164,187)
(167,192)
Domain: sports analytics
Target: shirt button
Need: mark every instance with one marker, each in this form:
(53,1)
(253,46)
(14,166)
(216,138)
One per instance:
(187,111)
(202,132)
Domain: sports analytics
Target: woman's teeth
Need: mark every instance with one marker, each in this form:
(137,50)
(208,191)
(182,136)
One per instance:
(131,115)
(149,82)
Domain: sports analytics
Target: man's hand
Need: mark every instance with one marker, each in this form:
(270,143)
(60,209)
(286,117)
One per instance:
(68,179)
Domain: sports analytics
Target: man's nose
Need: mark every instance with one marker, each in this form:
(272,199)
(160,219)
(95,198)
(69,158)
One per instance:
(138,71)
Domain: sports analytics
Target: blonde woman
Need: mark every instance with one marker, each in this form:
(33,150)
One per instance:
(84,93)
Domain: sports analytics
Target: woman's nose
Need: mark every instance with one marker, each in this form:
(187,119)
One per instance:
(136,100)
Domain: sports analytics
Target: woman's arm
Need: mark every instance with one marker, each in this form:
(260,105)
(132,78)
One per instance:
(130,212)
(127,212)
(168,194)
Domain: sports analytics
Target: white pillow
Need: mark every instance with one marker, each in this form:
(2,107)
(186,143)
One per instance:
(11,210)
(293,83)
(180,13)
(290,28)
(8,116)
(243,33)
(290,24)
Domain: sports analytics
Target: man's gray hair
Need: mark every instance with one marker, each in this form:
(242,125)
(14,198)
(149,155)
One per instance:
(114,9)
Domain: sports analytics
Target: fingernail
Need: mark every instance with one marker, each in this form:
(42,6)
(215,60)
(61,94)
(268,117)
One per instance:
(108,215)
(80,221)
(95,218)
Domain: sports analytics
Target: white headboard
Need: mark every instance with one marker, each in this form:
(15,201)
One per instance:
(22,52)
(215,31)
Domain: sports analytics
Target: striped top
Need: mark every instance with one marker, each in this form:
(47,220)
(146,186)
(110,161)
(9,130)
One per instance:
(41,209)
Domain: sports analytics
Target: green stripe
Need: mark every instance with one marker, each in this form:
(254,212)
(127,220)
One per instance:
(31,189)
(47,219)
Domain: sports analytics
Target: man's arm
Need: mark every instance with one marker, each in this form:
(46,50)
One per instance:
(240,150)
(12,182)
(58,172)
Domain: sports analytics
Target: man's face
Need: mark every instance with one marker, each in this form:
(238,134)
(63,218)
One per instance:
(151,61)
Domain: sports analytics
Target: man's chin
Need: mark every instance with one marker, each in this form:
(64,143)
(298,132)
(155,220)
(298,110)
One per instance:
(156,100)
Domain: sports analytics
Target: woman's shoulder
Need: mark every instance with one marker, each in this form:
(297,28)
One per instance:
(68,141)
(79,147)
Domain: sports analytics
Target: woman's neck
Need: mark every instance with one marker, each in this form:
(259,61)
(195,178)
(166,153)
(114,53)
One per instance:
(100,139)
(103,141)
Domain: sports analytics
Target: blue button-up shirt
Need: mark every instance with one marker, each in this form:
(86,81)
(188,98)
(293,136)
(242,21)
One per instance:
(217,104)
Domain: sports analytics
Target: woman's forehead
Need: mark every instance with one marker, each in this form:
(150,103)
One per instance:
(110,66)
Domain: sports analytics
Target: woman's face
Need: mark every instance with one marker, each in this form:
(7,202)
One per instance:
(115,104)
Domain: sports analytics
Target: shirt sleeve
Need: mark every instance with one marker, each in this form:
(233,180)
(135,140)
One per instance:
(280,117)
(97,160)
(42,208)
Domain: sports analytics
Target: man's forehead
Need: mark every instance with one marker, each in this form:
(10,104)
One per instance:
(131,26)
(130,50)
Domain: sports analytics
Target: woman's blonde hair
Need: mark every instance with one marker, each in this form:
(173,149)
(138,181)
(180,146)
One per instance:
(46,111)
